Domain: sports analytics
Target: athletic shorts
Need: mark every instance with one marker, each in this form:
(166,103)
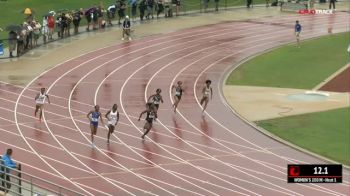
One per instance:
(297,34)
(178,96)
(95,124)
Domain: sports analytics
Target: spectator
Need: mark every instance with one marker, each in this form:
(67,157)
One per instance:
(121,6)
(20,42)
(249,3)
(111,10)
(205,3)
(168,8)
(216,5)
(9,164)
(160,7)
(76,20)
(100,11)
(133,9)
(45,29)
(89,15)
(12,42)
(126,28)
(59,25)
(36,31)
(28,35)
(95,19)
(142,7)
(178,4)
(332,2)
(149,4)
(51,25)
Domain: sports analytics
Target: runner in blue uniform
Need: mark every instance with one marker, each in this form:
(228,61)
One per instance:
(93,116)
(151,115)
(178,94)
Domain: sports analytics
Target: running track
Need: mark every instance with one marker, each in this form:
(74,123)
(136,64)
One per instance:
(185,153)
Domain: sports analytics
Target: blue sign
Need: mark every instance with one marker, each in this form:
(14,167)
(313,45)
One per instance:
(1,48)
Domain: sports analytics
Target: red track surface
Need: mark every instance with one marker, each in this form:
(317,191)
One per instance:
(340,83)
(185,153)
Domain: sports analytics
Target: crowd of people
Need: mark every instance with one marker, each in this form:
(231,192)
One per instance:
(26,35)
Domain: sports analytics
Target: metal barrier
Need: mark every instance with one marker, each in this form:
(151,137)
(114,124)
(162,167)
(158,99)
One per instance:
(20,183)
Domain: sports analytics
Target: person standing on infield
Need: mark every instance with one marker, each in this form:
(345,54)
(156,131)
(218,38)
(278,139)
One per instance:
(297,30)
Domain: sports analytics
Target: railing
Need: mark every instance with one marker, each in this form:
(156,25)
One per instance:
(20,183)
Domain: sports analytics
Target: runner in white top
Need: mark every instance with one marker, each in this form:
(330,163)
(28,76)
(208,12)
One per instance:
(178,94)
(112,118)
(40,101)
(207,90)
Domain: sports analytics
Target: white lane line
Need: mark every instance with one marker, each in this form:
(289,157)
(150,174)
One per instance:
(48,91)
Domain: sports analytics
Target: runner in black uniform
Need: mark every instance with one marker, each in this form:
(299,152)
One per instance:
(156,99)
(151,115)
(178,94)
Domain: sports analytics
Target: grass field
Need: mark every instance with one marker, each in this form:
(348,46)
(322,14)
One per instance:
(11,10)
(325,133)
(292,67)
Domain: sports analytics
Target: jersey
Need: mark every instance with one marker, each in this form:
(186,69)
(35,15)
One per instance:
(156,99)
(94,116)
(178,91)
(206,91)
(40,99)
(113,117)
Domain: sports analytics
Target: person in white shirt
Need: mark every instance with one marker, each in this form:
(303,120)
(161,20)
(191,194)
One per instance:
(112,119)
(40,101)
(207,92)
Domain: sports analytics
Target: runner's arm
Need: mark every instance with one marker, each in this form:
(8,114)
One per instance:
(142,114)
(106,115)
(88,115)
(48,99)
(211,92)
(101,119)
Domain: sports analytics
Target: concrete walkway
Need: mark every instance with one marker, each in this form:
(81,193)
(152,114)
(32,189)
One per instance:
(21,70)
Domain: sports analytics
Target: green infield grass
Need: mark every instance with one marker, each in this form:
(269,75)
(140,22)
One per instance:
(292,67)
(325,133)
